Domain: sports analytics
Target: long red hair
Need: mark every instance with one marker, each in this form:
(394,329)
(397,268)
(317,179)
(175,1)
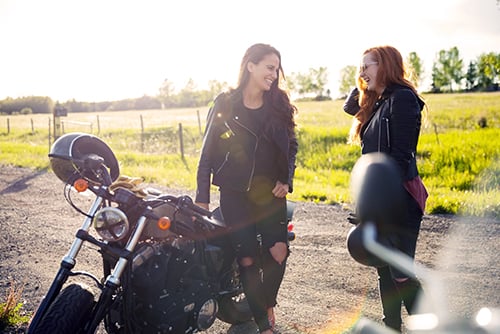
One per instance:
(391,70)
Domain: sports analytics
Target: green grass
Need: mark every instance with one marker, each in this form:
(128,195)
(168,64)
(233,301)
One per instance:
(24,150)
(457,158)
(11,311)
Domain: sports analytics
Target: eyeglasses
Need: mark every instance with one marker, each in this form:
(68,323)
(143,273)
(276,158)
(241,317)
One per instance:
(365,66)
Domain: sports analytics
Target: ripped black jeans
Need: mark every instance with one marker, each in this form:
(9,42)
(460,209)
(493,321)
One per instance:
(248,218)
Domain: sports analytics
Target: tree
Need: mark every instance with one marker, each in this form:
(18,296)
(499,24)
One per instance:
(187,97)
(298,83)
(439,79)
(471,76)
(489,71)
(216,87)
(319,80)
(347,79)
(312,83)
(77,106)
(38,105)
(146,102)
(166,93)
(415,68)
(447,70)
(456,66)
(290,83)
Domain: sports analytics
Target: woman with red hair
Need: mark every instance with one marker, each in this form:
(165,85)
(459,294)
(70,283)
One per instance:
(387,117)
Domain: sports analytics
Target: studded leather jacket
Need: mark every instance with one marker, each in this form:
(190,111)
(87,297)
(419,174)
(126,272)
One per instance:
(228,153)
(393,128)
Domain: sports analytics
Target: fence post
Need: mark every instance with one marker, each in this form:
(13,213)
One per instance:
(436,132)
(8,125)
(32,127)
(57,113)
(199,121)
(142,134)
(181,140)
(50,131)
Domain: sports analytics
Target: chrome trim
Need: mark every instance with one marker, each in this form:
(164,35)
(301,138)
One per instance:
(87,223)
(121,264)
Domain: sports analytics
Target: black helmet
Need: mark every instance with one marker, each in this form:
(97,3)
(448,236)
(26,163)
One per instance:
(357,249)
(69,151)
(378,193)
(377,190)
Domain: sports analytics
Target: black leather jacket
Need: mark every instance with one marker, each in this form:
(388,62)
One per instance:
(228,151)
(394,127)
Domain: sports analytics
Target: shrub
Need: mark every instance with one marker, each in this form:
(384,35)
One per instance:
(26,111)
(11,310)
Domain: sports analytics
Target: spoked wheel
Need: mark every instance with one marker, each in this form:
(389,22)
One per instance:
(68,313)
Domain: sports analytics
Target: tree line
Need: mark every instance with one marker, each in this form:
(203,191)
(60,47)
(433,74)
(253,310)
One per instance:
(448,75)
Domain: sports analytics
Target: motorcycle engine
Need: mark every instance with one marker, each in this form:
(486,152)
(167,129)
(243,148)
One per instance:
(168,291)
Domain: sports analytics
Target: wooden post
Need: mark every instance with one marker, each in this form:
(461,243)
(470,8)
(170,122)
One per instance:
(8,125)
(57,127)
(32,127)
(142,135)
(436,132)
(199,121)
(58,112)
(181,141)
(98,126)
(50,132)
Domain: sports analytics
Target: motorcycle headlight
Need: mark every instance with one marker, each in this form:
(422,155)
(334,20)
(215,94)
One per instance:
(207,314)
(111,224)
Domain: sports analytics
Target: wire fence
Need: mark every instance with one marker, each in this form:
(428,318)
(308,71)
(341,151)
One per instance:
(148,139)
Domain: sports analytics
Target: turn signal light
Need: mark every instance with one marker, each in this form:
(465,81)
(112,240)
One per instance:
(81,185)
(164,223)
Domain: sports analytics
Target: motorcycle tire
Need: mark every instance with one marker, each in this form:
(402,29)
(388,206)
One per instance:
(68,312)
(234,309)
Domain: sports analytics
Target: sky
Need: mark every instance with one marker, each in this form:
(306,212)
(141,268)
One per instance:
(105,50)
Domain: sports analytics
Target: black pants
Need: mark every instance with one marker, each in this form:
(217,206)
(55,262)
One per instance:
(249,214)
(393,293)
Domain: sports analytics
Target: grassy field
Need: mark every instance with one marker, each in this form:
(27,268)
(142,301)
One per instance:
(457,154)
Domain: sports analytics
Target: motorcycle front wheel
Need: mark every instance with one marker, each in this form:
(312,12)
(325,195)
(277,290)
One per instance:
(234,309)
(68,313)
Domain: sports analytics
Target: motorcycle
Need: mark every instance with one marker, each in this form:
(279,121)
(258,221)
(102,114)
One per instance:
(167,265)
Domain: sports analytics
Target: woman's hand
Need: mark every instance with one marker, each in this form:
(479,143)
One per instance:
(280,190)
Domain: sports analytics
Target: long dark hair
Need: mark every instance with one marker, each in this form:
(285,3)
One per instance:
(282,109)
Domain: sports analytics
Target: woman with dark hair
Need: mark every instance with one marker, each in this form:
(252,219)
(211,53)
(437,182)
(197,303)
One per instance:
(249,151)
(387,116)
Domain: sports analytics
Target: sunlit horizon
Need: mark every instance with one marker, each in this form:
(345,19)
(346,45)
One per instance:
(106,51)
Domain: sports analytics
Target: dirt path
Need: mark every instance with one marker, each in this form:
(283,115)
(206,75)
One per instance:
(324,290)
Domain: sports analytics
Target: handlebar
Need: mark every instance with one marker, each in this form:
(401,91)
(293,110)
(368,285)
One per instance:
(187,202)
(93,167)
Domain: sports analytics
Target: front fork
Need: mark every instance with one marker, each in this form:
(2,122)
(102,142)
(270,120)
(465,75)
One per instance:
(67,264)
(113,280)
